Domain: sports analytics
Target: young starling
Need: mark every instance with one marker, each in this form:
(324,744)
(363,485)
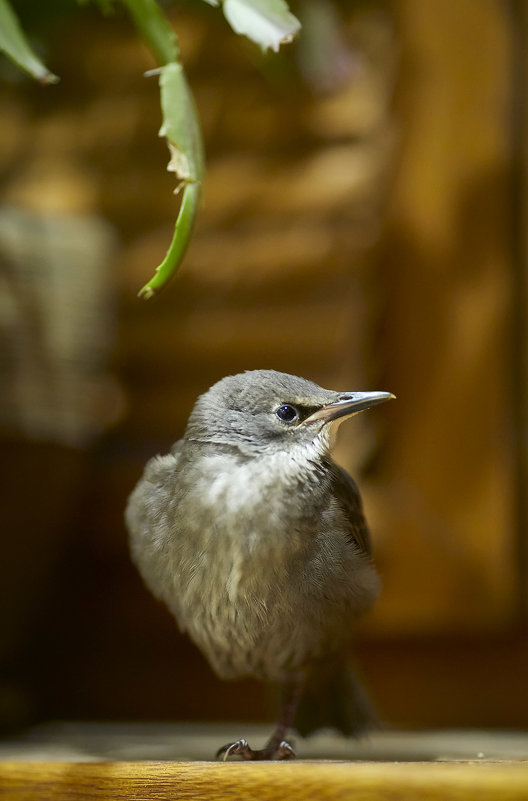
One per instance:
(256,541)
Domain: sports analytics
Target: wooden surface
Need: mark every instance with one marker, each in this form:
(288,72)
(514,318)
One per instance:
(183,780)
(162,761)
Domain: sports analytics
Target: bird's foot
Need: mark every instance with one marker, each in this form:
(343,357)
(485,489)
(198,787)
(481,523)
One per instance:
(241,748)
(238,748)
(285,751)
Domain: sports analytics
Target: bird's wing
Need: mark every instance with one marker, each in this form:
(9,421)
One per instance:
(156,489)
(346,493)
(149,517)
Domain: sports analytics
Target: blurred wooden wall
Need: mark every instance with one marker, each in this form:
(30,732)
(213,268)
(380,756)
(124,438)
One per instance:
(356,229)
(448,253)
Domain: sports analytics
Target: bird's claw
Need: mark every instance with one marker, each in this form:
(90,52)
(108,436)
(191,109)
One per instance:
(242,749)
(238,748)
(285,751)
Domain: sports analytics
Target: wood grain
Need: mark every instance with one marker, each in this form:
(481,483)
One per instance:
(327,780)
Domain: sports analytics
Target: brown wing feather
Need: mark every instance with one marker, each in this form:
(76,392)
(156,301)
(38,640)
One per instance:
(346,493)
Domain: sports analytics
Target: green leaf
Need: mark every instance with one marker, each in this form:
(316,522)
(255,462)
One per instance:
(180,241)
(269,23)
(15,45)
(180,125)
(182,129)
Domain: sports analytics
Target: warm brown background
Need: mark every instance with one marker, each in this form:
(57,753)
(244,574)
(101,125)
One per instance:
(363,225)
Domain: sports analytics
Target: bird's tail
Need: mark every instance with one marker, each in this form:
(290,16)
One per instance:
(333,698)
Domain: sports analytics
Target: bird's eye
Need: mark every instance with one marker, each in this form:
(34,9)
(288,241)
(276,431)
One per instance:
(287,413)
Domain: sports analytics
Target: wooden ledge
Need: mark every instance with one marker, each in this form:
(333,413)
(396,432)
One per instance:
(91,761)
(64,781)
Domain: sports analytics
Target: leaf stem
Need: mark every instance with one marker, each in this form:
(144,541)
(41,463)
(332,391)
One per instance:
(155,29)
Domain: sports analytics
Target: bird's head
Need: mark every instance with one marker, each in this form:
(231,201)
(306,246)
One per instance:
(264,411)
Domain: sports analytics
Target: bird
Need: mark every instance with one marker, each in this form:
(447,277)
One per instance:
(256,541)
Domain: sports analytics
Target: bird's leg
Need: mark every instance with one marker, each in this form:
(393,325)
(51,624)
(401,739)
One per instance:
(276,748)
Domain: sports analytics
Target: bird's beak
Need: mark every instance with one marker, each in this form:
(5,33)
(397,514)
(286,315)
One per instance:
(348,404)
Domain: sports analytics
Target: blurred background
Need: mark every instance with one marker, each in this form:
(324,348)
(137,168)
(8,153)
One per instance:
(363,225)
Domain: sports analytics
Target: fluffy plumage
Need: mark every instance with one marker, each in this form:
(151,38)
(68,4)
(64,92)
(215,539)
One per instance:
(252,535)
